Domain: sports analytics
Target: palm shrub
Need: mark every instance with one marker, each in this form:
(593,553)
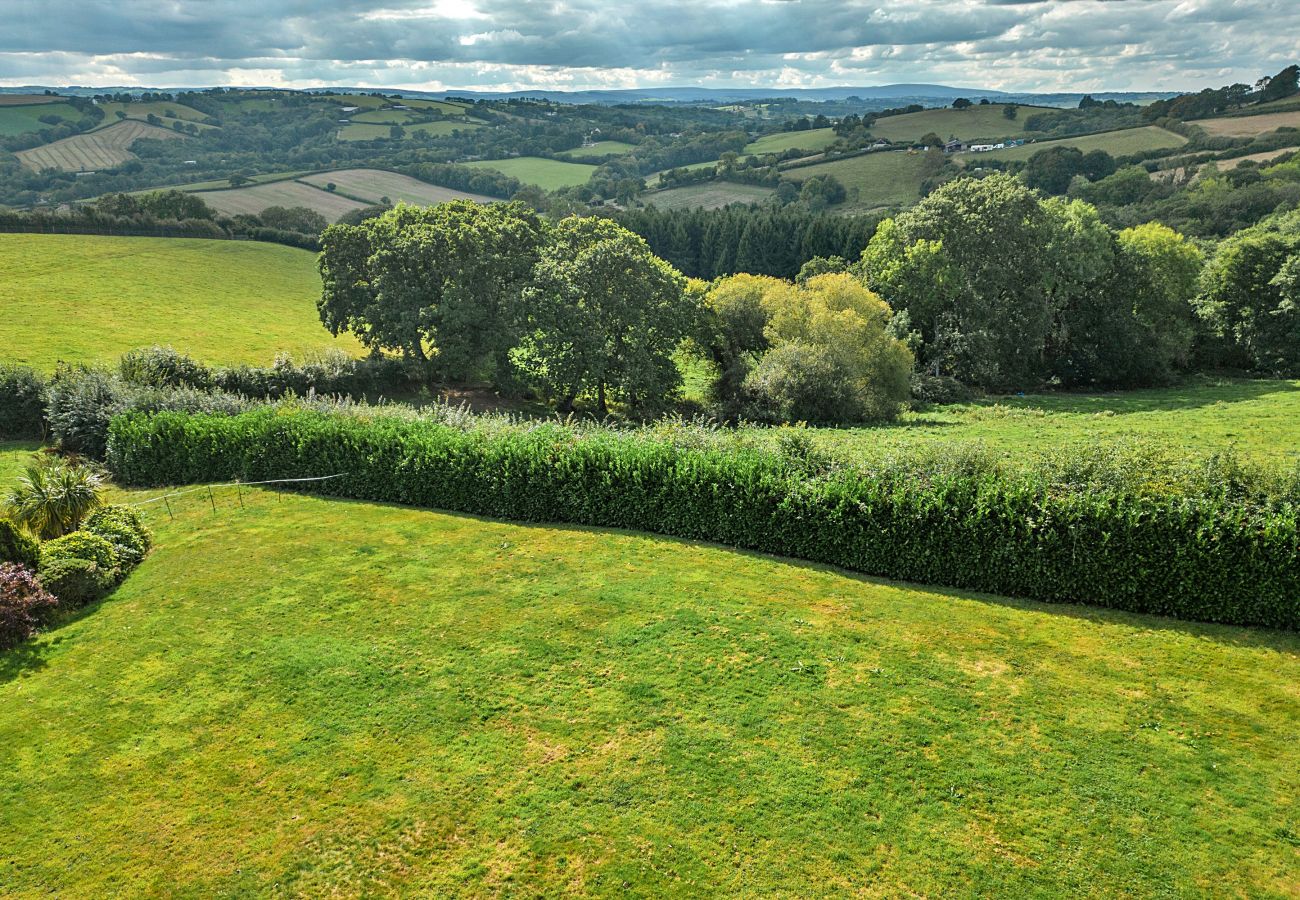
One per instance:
(24,604)
(53,497)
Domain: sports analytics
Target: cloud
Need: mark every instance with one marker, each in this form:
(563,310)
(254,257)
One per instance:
(445,44)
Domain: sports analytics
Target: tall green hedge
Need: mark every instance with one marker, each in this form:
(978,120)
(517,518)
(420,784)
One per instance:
(1204,557)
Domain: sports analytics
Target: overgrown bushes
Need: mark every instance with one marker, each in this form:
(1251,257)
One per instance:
(22,402)
(1219,546)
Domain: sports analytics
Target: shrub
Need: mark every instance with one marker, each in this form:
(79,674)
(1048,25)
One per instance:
(939,389)
(22,402)
(1097,530)
(17,546)
(122,527)
(24,604)
(81,545)
(76,582)
(82,400)
(162,367)
(53,497)
(801,382)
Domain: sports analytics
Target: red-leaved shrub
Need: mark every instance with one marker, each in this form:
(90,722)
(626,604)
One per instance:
(23,604)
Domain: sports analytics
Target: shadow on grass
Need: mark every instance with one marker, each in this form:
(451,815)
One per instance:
(1195,394)
(30,656)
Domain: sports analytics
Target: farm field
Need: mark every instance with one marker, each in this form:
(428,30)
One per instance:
(709,195)
(600,149)
(964,124)
(255,198)
(374,184)
(370,102)
(27,99)
(1116,143)
(26,118)
(84,298)
(1248,126)
(140,110)
(363,132)
(1259,419)
(873,180)
(1266,156)
(548,174)
(812,140)
(414,702)
(104,148)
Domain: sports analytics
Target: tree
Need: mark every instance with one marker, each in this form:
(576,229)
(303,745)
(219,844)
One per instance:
(930,140)
(293,218)
(440,284)
(604,316)
(966,265)
(1010,111)
(1281,85)
(961,103)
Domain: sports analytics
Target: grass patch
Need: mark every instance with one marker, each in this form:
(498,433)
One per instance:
(255,198)
(811,140)
(1116,143)
(375,184)
(599,150)
(708,195)
(873,180)
(26,119)
(402,701)
(964,124)
(158,108)
(363,132)
(86,298)
(1249,126)
(548,174)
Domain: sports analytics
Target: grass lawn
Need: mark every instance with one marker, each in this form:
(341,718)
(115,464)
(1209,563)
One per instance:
(548,174)
(873,180)
(312,697)
(86,298)
(1260,419)
(811,140)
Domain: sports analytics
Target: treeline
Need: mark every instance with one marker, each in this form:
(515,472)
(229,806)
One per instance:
(764,240)
(1213,101)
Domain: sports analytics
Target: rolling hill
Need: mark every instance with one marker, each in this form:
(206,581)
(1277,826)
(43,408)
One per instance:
(105,148)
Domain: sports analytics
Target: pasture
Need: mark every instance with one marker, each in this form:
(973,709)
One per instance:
(812,140)
(105,148)
(1249,126)
(300,696)
(548,174)
(255,198)
(18,119)
(28,99)
(82,298)
(965,124)
(373,185)
(708,195)
(370,103)
(873,180)
(1116,143)
(599,149)
(141,110)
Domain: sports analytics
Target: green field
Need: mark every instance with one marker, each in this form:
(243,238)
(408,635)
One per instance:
(1116,143)
(548,174)
(964,124)
(305,697)
(363,132)
(89,299)
(141,111)
(600,149)
(812,140)
(26,119)
(873,180)
(368,102)
(709,195)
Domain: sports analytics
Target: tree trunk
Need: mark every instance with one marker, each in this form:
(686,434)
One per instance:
(600,398)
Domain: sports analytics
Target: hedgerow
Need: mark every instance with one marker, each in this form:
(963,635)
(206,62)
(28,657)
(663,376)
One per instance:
(1109,531)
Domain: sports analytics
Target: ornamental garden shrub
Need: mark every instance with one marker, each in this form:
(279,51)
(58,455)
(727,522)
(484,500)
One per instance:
(24,604)
(1094,529)
(22,402)
(17,546)
(74,581)
(82,545)
(122,527)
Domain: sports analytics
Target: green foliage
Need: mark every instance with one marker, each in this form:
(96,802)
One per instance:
(80,402)
(76,581)
(17,546)
(53,497)
(1101,528)
(22,402)
(122,527)
(163,367)
(82,545)
(604,316)
(24,604)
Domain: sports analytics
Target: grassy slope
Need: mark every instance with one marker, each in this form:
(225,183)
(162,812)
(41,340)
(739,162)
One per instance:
(405,701)
(257,197)
(975,122)
(890,178)
(365,132)
(600,149)
(89,298)
(812,140)
(1116,143)
(709,195)
(548,174)
(1259,419)
(25,119)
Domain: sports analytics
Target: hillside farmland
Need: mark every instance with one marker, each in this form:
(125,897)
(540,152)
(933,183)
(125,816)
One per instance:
(106,148)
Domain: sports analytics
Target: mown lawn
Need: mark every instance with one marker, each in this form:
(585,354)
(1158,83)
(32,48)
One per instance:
(311,697)
(1259,419)
(88,298)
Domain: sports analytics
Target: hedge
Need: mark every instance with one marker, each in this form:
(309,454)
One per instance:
(1192,555)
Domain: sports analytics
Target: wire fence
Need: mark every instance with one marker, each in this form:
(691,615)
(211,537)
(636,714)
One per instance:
(166,498)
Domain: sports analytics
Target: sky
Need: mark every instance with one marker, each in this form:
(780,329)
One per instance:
(1014,45)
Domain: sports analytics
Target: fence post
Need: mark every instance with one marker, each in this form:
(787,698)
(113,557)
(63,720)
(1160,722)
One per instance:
(212,500)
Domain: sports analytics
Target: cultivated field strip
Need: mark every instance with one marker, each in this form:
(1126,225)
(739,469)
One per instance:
(103,149)
(1248,126)
(375,184)
(255,198)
